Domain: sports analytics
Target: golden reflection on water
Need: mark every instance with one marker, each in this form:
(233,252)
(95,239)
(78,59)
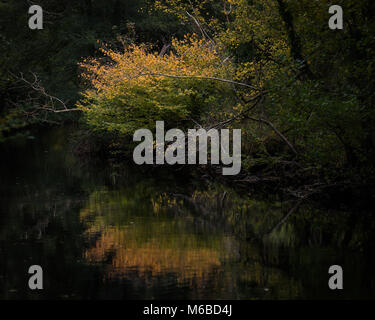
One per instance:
(164,237)
(157,244)
(185,260)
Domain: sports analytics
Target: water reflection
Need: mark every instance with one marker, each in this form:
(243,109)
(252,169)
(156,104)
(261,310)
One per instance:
(115,232)
(152,243)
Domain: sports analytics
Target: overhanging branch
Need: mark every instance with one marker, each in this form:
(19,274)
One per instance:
(200,78)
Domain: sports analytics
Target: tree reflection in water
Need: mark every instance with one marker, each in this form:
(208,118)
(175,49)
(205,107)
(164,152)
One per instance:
(117,232)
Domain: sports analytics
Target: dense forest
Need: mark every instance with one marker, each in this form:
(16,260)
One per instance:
(74,201)
(302,94)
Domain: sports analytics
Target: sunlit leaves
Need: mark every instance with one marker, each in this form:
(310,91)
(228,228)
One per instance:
(129,90)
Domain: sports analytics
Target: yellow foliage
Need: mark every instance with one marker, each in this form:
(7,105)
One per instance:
(138,83)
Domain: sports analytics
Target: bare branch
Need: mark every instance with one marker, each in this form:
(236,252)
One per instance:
(50,100)
(201,78)
(257,99)
(164,49)
(203,32)
(291,211)
(276,131)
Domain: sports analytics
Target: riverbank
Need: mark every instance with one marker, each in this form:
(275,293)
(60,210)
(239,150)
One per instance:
(288,179)
(110,230)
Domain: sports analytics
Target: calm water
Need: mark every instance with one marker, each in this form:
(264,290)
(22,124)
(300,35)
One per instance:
(114,232)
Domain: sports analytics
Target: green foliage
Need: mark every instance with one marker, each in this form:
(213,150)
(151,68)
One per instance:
(318,83)
(138,87)
(71,30)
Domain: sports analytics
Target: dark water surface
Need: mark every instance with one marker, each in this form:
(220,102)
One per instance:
(111,232)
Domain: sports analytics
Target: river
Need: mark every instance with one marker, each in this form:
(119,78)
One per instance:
(114,231)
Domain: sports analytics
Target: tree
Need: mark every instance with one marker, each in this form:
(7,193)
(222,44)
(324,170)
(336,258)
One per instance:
(134,88)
